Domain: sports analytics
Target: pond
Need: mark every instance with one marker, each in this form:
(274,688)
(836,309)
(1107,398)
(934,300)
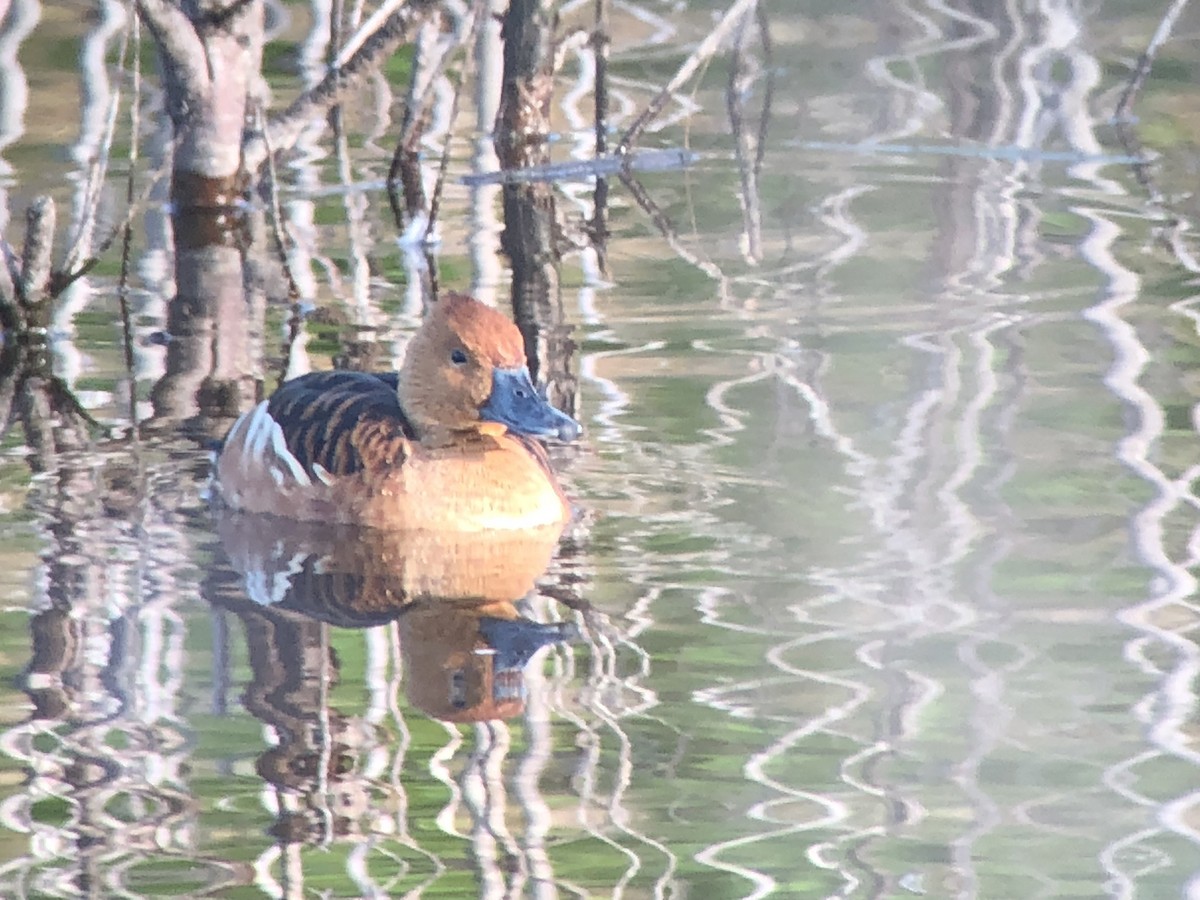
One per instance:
(880,579)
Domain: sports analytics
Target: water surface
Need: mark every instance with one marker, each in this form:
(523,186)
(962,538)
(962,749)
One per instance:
(882,579)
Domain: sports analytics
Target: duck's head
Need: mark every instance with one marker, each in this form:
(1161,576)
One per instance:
(466,366)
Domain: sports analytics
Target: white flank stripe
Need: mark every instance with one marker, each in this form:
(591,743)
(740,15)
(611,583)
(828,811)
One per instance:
(285,456)
(263,446)
(259,432)
(322,473)
(235,433)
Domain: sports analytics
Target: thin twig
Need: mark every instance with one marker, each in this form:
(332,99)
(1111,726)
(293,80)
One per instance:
(768,61)
(667,230)
(405,171)
(748,196)
(598,226)
(296,319)
(435,201)
(601,42)
(98,169)
(10,280)
(1146,60)
(281,241)
(405,167)
(1172,234)
(12,356)
(65,401)
(127,239)
(336,14)
(62,279)
(707,48)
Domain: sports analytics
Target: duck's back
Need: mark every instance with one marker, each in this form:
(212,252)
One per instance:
(285,455)
(341,422)
(338,447)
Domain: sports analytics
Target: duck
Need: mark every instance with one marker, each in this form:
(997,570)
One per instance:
(450,442)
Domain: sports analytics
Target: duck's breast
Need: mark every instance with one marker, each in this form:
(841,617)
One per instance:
(478,483)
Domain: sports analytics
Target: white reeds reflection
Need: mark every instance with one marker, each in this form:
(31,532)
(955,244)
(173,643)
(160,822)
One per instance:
(104,737)
(483,238)
(16,22)
(1165,651)
(908,654)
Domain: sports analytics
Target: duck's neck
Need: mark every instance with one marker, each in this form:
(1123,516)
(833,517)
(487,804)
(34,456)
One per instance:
(435,432)
(430,432)
(434,435)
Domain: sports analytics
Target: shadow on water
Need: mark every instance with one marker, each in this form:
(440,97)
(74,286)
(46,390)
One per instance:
(882,576)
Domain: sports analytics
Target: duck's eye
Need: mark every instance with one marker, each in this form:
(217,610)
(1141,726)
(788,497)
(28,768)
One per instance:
(458,356)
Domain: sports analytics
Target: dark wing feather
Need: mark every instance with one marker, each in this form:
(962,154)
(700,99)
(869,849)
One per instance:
(342,421)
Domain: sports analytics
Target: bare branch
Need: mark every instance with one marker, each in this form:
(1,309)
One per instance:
(35,255)
(284,128)
(1146,60)
(180,44)
(708,47)
(127,232)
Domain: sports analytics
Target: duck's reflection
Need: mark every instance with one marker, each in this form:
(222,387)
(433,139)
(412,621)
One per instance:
(465,663)
(462,642)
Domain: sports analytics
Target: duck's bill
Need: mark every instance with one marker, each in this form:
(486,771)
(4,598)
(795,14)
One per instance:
(514,641)
(517,404)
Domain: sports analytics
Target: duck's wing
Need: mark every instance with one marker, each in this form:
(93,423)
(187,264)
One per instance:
(316,428)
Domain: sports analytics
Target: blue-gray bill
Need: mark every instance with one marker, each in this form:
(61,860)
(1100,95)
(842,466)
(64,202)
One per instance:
(519,406)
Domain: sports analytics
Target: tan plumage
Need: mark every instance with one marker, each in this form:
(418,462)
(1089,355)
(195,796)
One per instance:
(439,446)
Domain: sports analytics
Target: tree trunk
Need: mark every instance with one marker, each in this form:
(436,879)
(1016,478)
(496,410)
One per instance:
(532,237)
(210,53)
